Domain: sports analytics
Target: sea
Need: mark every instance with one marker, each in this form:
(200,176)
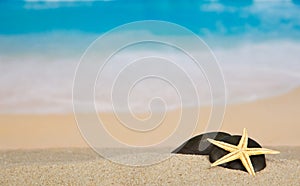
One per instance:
(256,44)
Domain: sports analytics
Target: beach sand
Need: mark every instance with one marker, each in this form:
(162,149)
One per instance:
(82,166)
(49,149)
(273,121)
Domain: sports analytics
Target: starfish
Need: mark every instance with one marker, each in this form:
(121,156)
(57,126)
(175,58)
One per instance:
(240,151)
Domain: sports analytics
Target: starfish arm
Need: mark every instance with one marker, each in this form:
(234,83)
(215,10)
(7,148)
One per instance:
(223,145)
(259,151)
(227,158)
(244,140)
(247,163)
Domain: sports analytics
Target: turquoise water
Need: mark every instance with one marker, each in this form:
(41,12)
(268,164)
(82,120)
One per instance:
(278,18)
(257,44)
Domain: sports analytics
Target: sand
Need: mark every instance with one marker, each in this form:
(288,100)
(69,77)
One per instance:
(82,166)
(272,121)
(49,150)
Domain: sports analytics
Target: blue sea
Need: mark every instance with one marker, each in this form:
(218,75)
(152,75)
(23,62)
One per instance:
(256,43)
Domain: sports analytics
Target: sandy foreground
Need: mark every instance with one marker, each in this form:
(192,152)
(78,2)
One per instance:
(82,166)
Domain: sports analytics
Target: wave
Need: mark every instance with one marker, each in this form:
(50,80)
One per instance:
(39,79)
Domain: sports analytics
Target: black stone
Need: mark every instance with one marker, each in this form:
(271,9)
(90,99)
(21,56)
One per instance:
(258,161)
(199,145)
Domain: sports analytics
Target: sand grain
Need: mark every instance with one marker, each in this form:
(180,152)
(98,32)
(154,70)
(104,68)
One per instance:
(84,167)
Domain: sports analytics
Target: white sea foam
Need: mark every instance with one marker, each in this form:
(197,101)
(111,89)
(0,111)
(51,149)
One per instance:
(39,79)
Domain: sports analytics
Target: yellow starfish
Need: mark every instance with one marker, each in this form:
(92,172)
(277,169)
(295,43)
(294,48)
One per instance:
(241,151)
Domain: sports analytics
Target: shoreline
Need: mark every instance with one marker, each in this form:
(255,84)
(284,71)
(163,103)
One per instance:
(271,122)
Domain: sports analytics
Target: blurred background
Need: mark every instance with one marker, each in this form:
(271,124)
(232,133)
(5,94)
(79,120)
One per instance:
(257,44)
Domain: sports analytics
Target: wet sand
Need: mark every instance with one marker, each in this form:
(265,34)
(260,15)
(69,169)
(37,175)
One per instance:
(273,121)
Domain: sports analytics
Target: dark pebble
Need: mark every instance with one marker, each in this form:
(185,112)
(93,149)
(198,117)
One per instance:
(199,145)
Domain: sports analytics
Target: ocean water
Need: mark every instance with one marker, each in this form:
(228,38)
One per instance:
(256,43)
